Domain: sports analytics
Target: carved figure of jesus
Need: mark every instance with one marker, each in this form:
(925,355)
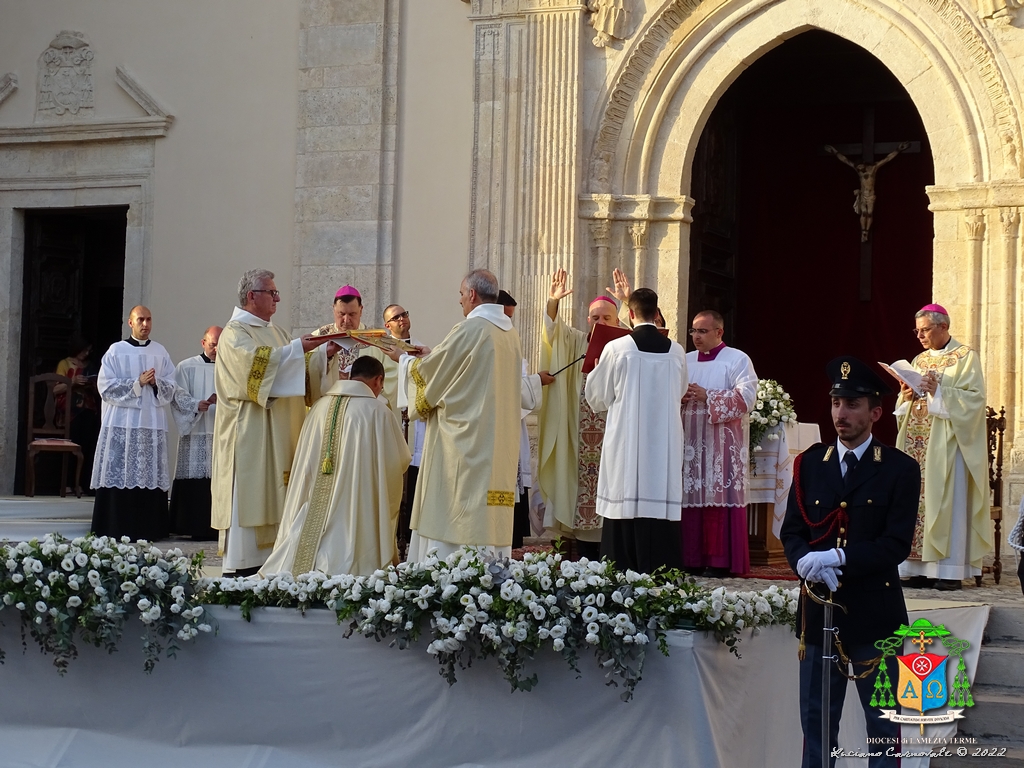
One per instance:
(864,198)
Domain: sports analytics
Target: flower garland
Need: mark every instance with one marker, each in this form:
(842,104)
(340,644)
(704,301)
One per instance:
(773,407)
(477,606)
(470,604)
(90,587)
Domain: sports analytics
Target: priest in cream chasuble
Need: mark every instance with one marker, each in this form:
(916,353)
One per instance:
(264,380)
(944,429)
(345,487)
(571,433)
(468,390)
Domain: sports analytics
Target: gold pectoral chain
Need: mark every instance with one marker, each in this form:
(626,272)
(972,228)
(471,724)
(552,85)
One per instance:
(260,363)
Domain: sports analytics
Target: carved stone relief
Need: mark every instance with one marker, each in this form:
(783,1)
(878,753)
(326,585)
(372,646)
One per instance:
(608,18)
(8,85)
(998,13)
(65,78)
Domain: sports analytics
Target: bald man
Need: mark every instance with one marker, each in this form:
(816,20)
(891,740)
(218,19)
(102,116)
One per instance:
(130,472)
(190,494)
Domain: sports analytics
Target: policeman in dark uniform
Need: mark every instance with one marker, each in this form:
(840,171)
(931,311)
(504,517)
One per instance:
(849,524)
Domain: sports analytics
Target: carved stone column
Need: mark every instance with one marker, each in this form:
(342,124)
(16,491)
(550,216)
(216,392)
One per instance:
(638,233)
(975,225)
(1010,319)
(601,237)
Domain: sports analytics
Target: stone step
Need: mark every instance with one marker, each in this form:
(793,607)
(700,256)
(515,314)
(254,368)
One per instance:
(26,530)
(997,715)
(1005,624)
(45,508)
(1001,663)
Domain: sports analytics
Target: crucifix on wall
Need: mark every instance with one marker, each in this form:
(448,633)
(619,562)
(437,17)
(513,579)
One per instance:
(864,196)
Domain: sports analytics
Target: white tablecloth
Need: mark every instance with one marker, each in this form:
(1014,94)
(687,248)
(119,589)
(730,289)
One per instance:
(772,474)
(289,691)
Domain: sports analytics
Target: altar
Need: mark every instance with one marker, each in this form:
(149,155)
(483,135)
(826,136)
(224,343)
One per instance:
(770,480)
(289,691)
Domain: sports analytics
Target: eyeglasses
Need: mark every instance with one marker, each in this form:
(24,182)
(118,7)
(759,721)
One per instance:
(273,294)
(699,331)
(923,331)
(399,316)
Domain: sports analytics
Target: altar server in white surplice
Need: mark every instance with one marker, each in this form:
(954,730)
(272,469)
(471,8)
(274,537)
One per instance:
(130,471)
(190,494)
(716,461)
(640,380)
(345,488)
(264,380)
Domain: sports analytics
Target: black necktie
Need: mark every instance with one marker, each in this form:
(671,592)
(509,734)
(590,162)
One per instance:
(850,459)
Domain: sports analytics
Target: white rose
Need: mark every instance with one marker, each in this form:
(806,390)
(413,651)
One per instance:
(589,613)
(17,578)
(74,601)
(41,606)
(20,606)
(558,644)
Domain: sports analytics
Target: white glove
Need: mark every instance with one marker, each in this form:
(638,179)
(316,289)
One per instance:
(830,576)
(810,565)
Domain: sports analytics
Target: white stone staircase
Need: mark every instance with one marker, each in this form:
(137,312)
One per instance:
(22,518)
(997,717)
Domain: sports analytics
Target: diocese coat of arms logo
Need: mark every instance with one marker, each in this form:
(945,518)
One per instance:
(65,77)
(923,677)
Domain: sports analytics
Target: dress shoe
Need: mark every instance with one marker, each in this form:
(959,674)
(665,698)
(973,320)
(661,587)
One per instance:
(715,573)
(917,582)
(948,585)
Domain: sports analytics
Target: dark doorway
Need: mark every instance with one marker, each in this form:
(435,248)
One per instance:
(74,287)
(776,244)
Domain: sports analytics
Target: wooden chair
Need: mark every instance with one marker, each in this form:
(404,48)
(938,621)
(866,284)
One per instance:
(995,425)
(53,435)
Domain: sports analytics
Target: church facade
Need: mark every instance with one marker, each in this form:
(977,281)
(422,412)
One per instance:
(394,144)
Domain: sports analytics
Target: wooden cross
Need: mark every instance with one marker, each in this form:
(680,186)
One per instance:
(921,642)
(867,150)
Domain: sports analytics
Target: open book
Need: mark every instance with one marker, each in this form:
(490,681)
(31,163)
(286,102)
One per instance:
(906,373)
(374,337)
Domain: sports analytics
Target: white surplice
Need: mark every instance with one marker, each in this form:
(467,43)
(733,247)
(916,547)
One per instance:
(716,459)
(194,376)
(641,473)
(131,451)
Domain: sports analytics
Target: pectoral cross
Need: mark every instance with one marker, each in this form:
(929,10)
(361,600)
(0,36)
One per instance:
(921,642)
(864,197)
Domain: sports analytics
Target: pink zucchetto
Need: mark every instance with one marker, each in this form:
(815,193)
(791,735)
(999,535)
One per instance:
(935,308)
(602,298)
(347,290)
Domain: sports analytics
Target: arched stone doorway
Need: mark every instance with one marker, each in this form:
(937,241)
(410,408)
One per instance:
(775,243)
(636,195)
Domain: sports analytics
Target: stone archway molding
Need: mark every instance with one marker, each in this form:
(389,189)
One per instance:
(693,50)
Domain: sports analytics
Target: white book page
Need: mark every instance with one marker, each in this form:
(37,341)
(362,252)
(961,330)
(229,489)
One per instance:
(906,373)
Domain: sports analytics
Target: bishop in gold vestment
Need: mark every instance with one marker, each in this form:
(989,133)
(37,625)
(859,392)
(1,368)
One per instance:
(345,487)
(264,381)
(468,391)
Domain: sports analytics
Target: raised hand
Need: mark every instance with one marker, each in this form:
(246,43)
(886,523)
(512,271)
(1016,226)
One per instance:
(559,281)
(621,291)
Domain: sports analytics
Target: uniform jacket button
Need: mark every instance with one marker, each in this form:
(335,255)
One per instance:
(842,504)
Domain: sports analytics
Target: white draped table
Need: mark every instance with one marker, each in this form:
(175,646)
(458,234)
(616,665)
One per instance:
(770,481)
(288,691)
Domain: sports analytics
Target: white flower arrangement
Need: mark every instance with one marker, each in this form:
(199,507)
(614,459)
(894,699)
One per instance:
(772,408)
(88,588)
(476,606)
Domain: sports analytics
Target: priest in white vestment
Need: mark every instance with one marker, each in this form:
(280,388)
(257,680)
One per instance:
(130,472)
(531,399)
(468,391)
(716,459)
(190,494)
(345,487)
(639,382)
(264,380)
(571,433)
(944,429)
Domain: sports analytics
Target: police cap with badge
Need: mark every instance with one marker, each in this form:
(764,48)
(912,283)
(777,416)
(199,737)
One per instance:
(852,378)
